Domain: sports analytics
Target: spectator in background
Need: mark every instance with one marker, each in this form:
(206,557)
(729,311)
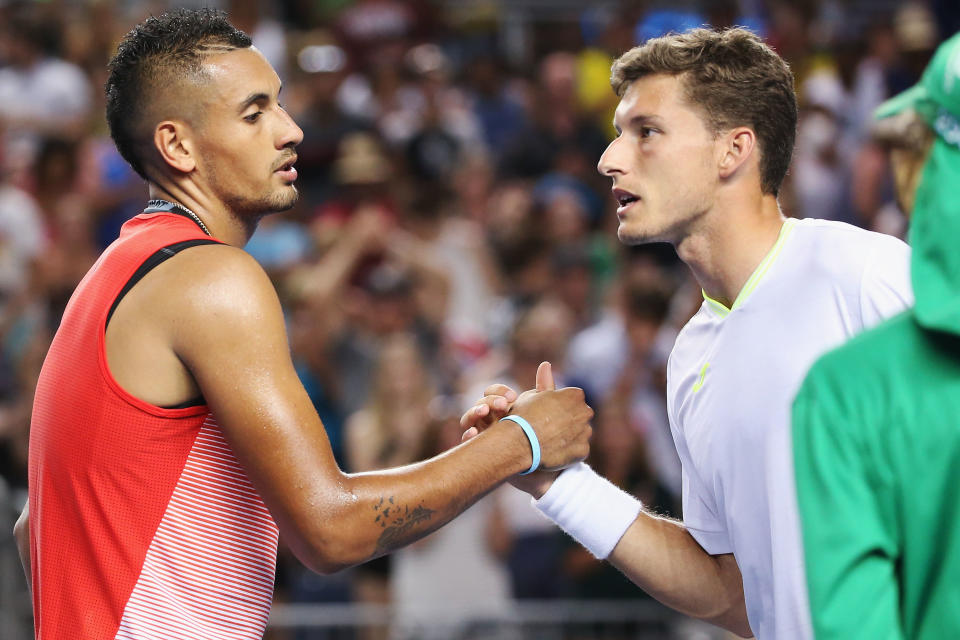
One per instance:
(902,52)
(631,330)
(376,28)
(361,173)
(313,327)
(322,67)
(428,581)
(382,281)
(620,453)
(269,36)
(388,431)
(622,360)
(458,248)
(574,283)
(565,213)
(593,73)
(40,93)
(444,127)
(496,103)
(556,123)
(821,168)
(22,328)
(387,304)
(23,239)
(67,213)
(540,333)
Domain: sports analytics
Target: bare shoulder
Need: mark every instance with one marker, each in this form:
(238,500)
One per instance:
(218,297)
(214,278)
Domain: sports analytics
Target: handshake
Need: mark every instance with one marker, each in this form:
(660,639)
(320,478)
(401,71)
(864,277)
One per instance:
(555,421)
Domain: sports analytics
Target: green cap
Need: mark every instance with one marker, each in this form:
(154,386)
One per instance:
(937,96)
(935,223)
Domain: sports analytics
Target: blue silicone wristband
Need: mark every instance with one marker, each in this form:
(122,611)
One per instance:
(531,436)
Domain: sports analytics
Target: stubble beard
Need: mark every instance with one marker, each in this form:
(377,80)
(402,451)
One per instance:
(250,210)
(247,208)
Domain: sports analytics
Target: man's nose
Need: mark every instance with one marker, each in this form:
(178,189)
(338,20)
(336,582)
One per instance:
(609,162)
(291,134)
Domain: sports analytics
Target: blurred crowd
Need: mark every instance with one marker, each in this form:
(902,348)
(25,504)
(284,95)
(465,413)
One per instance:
(452,230)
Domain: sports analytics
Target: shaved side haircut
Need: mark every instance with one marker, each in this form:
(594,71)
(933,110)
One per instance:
(155,57)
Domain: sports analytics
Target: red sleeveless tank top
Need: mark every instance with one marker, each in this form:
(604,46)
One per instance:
(142,523)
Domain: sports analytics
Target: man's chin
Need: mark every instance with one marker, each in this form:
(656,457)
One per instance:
(633,237)
(288,198)
(283,200)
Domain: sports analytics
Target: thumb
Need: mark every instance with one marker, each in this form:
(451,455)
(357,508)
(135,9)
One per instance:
(545,377)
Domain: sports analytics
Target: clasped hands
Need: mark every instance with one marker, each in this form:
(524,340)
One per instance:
(560,418)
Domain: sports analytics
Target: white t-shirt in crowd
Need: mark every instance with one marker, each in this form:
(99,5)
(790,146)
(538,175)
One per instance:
(452,577)
(731,380)
(22,238)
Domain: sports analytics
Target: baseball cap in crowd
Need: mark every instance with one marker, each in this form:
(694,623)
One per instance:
(935,223)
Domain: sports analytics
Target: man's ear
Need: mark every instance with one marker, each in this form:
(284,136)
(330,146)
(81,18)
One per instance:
(738,146)
(172,141)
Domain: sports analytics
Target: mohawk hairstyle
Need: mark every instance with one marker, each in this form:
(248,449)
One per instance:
(156,54)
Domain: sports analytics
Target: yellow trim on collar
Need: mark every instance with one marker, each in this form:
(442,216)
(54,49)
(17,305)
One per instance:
(758,273)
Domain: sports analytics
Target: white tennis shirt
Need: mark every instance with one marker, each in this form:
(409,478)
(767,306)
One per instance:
(731,380)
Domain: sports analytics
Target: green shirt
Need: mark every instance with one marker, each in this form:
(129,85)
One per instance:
(876,430)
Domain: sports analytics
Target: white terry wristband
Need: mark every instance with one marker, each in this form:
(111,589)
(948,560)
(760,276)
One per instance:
(594,511)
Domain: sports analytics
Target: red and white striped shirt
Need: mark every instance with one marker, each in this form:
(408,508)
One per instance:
(143,524)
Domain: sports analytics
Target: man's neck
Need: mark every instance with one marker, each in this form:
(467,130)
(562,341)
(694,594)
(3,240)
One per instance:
(222,223)
(725,250)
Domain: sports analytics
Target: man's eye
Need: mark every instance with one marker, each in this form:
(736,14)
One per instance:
(645,132)
(253,117)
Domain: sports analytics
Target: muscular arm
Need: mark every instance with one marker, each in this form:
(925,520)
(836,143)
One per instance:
(21,533)
(661,557)
(228,331)
(657,554)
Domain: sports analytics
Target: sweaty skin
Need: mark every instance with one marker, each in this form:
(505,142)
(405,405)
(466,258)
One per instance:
(656,553)
(207,322)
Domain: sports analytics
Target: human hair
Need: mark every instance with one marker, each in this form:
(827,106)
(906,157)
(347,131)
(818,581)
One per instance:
(153,57)
(733,79)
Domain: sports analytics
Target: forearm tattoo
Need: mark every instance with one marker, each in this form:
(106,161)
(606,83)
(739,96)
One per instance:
(397,522)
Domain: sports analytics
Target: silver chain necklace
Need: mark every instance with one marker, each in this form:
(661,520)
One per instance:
(177,205)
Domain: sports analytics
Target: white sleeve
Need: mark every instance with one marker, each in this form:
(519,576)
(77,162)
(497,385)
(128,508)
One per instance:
(885,288)
(700,514)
